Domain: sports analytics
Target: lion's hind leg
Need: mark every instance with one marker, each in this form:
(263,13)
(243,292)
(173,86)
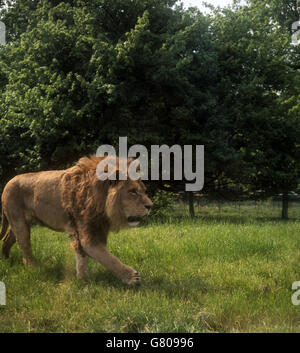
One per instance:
(21,230)
(8,242)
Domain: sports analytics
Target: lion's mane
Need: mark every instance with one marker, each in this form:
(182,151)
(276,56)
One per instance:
(93,203)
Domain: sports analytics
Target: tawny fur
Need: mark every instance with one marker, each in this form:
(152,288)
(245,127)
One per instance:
(76,202)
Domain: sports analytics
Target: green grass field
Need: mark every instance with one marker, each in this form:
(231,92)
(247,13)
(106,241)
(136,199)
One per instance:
(229,271)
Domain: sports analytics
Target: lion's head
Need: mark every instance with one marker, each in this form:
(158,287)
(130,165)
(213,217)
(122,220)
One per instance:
(121,203)
(127,203)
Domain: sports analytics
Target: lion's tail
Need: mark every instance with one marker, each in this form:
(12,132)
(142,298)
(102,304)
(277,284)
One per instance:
(4,226)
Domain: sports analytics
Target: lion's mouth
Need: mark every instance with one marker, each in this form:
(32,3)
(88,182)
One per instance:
(133,221)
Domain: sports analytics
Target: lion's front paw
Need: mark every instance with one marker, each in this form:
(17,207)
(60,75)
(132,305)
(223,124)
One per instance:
(133,280)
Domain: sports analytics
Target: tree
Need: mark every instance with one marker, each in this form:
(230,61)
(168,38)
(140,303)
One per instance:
(80,74)
(77,74)
(258,89)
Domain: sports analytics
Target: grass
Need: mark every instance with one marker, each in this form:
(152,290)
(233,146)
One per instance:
(223,271)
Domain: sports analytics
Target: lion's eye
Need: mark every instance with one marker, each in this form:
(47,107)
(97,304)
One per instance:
(134,192)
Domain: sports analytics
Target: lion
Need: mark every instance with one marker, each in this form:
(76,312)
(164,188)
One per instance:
(74,201)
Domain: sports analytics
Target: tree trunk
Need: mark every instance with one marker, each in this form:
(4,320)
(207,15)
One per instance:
(285,205)
(191,204)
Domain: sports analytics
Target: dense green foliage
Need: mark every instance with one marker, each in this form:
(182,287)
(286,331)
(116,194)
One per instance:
(257,69)
(85,74)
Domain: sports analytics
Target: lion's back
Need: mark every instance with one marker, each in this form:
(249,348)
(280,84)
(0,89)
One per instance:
(33,184)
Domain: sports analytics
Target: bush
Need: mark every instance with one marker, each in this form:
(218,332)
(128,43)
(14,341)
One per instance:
(163,203)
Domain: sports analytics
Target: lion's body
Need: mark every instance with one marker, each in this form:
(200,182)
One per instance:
(37,197)
(76,202)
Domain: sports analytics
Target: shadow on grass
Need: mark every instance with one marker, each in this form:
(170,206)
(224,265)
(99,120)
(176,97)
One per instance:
(179,288)
(14,259)
(45,271)
(54,273)
(102,276)
(51,273)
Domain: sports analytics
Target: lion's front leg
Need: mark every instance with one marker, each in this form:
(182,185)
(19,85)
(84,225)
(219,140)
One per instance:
(81,264)
(99,252)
